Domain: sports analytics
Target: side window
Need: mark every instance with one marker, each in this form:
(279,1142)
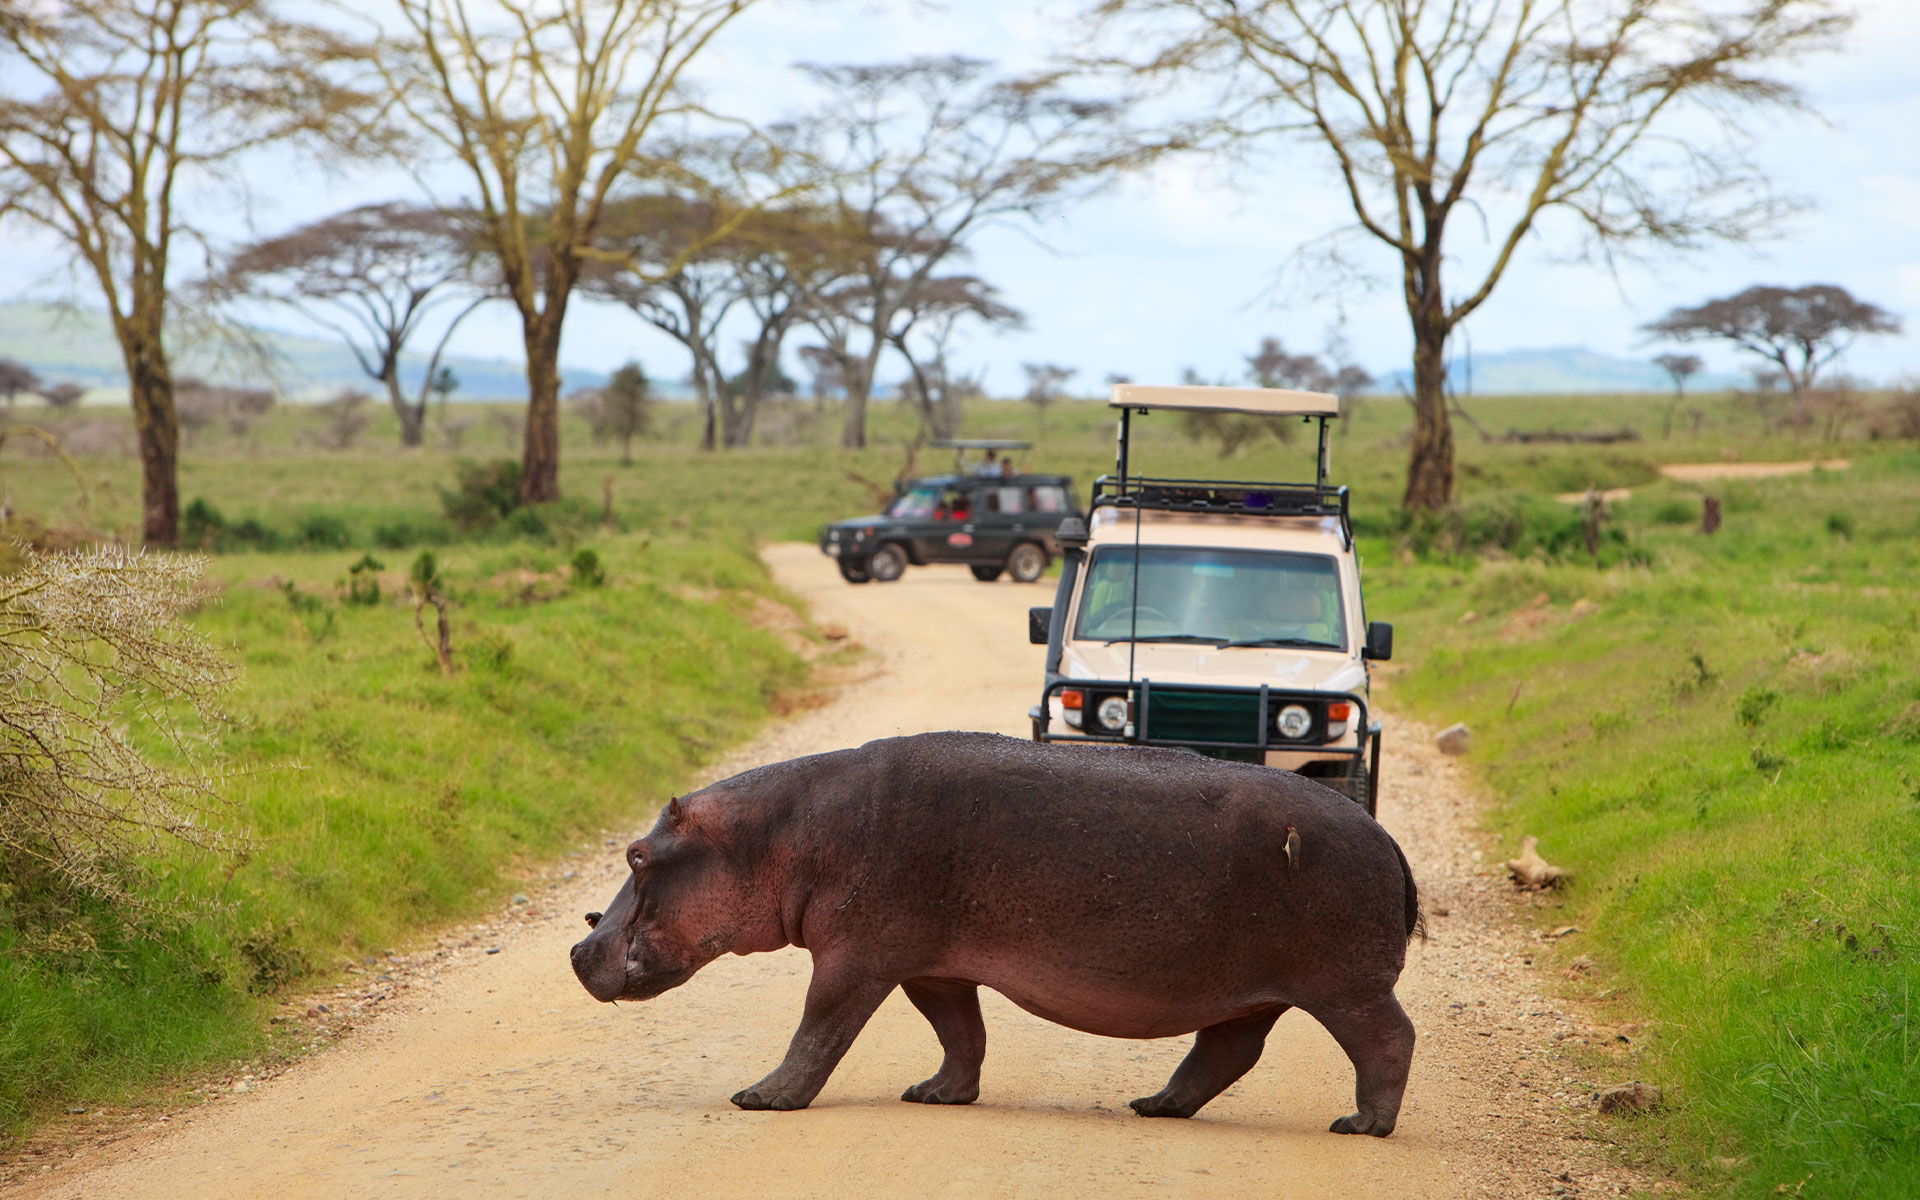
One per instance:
(1048,498)
(1007,500)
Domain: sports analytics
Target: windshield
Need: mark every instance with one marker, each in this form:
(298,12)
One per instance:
(1203,594)
(916,503)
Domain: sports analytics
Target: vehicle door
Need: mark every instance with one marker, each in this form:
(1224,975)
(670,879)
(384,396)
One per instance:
(1000,519)
(947,534)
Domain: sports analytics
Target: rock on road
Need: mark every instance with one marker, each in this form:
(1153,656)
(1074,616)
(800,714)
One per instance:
(500,1077)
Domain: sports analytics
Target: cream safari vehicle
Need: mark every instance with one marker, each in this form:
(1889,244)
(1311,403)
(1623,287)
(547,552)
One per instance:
(1225,617)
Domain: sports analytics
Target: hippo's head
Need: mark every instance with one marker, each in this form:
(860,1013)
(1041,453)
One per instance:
(687,901)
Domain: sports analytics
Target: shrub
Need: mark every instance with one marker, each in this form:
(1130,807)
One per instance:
(1753,706)
(492,652)
(363,588)
(201,524)
(325,531)
(587,571)
(1675,512)
(94,636)
(527,523)
(483,494)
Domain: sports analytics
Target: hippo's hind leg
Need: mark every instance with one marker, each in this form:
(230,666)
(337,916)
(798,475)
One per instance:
(839,1001)
(1221,1054)
(1378,1037)
(952,1007)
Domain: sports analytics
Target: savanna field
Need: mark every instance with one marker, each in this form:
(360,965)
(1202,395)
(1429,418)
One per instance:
(1717,736)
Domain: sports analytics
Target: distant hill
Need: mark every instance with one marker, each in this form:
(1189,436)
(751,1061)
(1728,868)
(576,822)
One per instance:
(61,344)
(1563,369)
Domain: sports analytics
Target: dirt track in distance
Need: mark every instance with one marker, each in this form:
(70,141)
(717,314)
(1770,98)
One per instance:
(494,1075)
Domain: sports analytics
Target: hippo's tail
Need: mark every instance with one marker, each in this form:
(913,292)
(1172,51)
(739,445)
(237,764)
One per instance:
(1416,920)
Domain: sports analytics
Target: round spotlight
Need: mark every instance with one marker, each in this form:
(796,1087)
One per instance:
(1294,721)
(1112,713)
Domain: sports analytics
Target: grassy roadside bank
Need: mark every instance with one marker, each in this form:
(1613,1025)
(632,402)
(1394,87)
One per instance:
(1723,747)
(1722,813)
(381,797)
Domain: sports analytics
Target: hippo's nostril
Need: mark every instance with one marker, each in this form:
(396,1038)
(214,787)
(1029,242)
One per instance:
(593,919)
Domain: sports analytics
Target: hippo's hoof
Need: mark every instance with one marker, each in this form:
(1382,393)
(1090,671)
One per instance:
(1355,1123)
(1158,1105)
(936,1091)
(753,1101)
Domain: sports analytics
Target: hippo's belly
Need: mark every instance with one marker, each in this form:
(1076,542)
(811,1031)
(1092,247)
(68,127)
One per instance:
(1132,999)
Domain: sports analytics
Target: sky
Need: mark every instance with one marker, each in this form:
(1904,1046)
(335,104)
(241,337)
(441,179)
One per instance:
(1183,266)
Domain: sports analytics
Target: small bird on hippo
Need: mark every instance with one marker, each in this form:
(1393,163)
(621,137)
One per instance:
(1135,893)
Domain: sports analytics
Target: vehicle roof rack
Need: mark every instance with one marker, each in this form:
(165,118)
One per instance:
(1224,497)
(1130,398)
(979,444)
(1259,402)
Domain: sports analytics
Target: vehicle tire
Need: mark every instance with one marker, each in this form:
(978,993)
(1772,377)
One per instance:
(889,562)
(1360,787)
(854,572)
(1027,563)
(986,574)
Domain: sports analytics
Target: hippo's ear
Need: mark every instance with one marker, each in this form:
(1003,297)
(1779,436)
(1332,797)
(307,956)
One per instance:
(676,816)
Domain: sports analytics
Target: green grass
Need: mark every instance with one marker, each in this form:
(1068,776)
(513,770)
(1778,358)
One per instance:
(1724,747)
(1726,754)
(383,798)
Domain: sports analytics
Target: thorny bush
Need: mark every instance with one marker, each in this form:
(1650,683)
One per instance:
(94,662)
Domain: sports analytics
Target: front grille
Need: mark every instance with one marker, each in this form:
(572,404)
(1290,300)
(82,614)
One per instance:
(1176,715)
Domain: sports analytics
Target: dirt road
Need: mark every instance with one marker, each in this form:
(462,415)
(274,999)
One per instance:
(494,1075)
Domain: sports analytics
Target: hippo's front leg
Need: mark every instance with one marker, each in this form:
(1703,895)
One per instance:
(839,1001)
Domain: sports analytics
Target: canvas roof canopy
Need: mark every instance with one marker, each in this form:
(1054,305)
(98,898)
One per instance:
(1260,402)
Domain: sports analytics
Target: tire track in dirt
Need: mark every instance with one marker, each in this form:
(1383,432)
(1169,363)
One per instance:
(494,1075)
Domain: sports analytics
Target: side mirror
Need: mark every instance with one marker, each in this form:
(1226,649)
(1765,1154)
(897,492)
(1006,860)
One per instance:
(1379,641)
(1071,533)
(1039,624)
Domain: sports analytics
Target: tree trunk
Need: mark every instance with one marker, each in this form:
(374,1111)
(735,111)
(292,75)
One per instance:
(1430,462)
(853,433)
(413,417)
(540,451)
(157,428)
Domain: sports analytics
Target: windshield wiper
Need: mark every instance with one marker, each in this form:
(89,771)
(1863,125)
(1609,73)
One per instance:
(1175,637)
(1307,642)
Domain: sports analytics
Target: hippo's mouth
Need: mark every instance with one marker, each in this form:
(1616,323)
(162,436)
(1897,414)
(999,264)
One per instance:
(637,986)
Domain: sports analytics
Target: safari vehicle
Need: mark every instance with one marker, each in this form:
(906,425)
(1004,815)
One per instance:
(1225,617)
(987,515)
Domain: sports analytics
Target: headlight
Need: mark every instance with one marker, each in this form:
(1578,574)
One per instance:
(1112,713)
(1294,722)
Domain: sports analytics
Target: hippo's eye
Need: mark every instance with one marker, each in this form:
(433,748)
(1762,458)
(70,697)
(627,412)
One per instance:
(593,919)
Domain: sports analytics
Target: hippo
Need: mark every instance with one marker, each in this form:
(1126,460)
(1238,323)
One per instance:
(1133,893)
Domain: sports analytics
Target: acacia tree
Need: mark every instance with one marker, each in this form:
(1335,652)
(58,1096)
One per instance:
(682,278)
(1799,330)
(1679,368)
(373,275)
(546,105)
(16,377)
(922,338)
(622,410)
(677,279)
(920,155)
(1620,116)
(109,111)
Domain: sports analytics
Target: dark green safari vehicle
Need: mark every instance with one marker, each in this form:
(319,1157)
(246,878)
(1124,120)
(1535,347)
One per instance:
(990,516)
